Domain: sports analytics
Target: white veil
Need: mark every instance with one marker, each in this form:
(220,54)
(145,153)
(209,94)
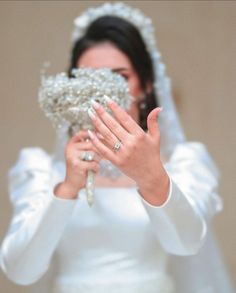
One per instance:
(204,272)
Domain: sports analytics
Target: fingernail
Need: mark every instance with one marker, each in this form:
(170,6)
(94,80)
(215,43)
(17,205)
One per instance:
(99,135)
(91,135)
(107,99)
(91,114)
(95,104)
(161,109)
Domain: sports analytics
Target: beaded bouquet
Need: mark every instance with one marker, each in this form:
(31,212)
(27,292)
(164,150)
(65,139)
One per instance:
(66,101)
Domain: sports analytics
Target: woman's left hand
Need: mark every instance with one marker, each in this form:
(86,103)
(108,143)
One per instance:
(139,153)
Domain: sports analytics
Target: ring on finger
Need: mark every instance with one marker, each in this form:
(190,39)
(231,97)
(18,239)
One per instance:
(86,156)
(117,145)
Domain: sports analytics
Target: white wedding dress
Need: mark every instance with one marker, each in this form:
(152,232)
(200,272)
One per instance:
(120,244)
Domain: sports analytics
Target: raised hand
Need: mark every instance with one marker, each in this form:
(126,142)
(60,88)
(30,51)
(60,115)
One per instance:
(134,151)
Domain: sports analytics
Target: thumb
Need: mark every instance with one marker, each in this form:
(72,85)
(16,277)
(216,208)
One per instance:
(152,124)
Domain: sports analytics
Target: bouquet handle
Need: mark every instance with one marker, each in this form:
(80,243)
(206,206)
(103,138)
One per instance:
(90,188)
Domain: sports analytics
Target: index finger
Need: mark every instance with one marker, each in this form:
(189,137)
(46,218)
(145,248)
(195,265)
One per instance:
(123,117)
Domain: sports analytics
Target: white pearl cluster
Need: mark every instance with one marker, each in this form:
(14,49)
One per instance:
(65,101)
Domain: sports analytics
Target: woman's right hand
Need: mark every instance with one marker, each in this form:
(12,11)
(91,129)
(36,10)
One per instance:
(76,168)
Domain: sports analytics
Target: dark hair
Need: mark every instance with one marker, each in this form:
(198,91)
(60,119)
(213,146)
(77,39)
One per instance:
(127,38)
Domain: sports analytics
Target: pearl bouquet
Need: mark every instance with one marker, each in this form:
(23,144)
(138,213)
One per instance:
(65,100)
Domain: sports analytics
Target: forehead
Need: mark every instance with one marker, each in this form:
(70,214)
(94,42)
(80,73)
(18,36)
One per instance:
(104,55)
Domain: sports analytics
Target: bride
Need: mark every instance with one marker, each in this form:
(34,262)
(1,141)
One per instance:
(149,229)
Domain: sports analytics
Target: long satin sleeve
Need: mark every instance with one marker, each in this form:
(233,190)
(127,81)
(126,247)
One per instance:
(39,218)
(180,224)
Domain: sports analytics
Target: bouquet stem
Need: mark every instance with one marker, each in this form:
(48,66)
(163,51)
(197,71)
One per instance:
(90,187)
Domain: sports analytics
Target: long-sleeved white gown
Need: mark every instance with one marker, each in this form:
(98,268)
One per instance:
(120,244)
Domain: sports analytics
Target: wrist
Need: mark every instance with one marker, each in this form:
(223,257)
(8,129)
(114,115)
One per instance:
(65,190)
(155,189)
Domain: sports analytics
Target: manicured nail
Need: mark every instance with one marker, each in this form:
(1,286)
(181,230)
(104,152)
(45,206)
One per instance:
(107,99)
(91,114)
(91,135)
(99,135)
(95,104)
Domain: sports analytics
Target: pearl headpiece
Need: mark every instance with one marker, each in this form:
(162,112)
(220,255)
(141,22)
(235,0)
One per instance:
(134,16)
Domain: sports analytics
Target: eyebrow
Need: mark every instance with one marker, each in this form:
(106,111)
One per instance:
(120,69)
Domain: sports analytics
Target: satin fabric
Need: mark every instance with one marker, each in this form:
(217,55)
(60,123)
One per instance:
(120,244)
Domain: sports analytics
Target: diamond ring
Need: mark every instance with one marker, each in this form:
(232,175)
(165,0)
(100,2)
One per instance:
(117,145)
(86,156)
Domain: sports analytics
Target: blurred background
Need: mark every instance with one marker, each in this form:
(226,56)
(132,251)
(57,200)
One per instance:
(197,41)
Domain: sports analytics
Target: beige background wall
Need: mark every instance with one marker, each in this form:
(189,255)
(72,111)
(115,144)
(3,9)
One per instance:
(197,41)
